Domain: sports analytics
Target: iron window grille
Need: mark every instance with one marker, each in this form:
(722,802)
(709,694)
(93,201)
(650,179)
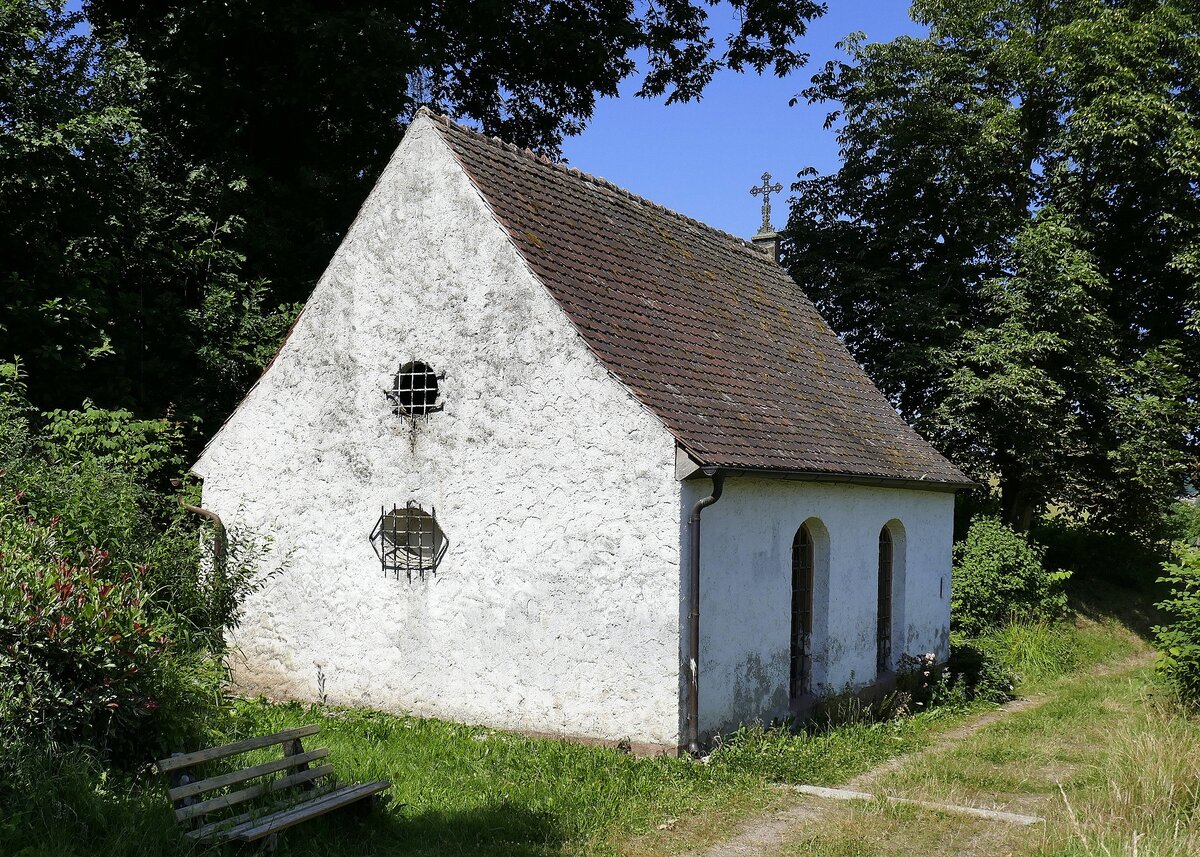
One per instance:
(414,390)
(802,612)
(408,539)
(883,627)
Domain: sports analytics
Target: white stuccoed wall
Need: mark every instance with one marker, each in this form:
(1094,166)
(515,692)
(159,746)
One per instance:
(558,606)
(746,574)
(555,609)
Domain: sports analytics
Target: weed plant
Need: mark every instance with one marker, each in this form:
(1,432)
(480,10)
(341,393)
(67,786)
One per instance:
(1178,638)
(1148,798)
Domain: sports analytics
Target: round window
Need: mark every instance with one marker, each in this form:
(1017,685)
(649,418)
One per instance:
(415,389)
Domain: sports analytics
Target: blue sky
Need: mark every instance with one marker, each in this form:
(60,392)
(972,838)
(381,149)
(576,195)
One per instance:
(701,159)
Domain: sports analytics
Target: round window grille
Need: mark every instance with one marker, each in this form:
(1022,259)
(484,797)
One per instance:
(415,389)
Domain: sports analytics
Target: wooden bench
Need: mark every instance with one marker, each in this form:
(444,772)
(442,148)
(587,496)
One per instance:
(303,797)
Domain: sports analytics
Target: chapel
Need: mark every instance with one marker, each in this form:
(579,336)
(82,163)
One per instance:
(541,455)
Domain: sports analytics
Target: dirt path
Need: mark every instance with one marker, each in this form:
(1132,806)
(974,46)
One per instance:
(770,834)
(958,734)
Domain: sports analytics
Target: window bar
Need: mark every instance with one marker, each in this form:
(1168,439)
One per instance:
(884,626)
(802,586)
(415,390)
(408,540)
(395,541)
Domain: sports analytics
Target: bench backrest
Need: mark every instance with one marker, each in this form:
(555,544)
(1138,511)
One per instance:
(187,791)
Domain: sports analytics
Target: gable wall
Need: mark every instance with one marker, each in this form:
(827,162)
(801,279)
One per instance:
(556,607)
(746,587)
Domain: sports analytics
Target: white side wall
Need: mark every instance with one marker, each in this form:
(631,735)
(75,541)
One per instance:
(555,608)
(746,578)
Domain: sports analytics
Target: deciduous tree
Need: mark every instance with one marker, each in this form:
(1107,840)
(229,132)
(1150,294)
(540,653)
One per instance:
(114,250)
(1011,245)
(174,176)
(306,101)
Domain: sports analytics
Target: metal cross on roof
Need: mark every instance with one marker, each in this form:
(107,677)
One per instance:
(766,190)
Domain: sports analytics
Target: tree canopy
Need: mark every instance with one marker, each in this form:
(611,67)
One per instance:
(175,176)
(119,280)
(1012,244)
(305,101)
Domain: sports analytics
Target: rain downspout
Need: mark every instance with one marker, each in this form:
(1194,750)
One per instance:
(693,732)
(219,537)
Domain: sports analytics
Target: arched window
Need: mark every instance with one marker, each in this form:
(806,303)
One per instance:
(883,627)
(802,612)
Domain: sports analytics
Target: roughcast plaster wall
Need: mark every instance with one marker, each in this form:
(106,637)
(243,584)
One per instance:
(746,580)
(555,609)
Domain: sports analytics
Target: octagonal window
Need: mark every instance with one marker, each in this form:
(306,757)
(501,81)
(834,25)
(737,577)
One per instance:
(408,539)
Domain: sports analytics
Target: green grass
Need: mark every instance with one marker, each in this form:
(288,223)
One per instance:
(1041,652)
(1105,759)
(462,789)
(881,829)
(836,755)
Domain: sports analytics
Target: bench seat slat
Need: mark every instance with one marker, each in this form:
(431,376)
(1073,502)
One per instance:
(212,804)
(258,828)
(229,779)
(213,827)
(188,759)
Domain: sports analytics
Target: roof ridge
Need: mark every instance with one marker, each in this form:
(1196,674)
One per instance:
(544,160)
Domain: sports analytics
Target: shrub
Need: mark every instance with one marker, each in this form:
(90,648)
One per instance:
(921,681)
(1178,641)
(1183,522)
(974,673)
(999,574)
(85,657)
(112,618)
(148,450)
(14,411)
(971,674)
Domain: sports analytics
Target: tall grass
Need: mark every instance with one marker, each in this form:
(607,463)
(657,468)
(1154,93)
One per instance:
(62,801)
(1040,651)
(1035,651)
(1150,802)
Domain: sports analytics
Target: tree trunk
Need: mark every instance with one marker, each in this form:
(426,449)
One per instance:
(1017,505)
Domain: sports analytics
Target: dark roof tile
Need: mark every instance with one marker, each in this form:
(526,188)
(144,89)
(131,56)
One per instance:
(707,331)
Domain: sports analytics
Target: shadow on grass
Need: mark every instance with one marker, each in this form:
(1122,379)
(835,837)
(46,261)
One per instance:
(1112,575)
(1102,600)
(501,828)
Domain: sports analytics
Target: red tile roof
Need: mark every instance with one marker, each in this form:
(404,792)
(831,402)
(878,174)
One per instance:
(704,328)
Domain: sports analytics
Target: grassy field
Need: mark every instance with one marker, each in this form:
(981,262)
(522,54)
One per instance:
(468,790)
(1111,765)
(461,789)
(1112,769)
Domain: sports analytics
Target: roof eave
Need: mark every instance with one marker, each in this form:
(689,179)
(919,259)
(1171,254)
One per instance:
(917,484)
